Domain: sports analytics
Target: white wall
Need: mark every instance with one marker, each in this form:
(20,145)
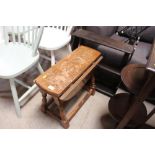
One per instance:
(1,35)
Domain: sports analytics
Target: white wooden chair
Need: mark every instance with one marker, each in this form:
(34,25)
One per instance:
(54,38)
(18,56)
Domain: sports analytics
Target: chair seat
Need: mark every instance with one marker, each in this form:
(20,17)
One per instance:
(54,39)
(15,59)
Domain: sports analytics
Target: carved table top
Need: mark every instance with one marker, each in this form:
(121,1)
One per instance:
(61,75)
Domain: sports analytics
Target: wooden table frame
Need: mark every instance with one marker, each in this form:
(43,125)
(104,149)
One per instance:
(63,117)
(55,106)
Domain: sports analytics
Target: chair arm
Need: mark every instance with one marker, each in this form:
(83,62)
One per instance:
(151,61)
(106,41)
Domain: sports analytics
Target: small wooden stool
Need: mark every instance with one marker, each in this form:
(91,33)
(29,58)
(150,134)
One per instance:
(67,82)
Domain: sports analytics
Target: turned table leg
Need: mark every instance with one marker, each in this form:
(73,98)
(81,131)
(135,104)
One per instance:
(44,102)
(93,86)
(64,121)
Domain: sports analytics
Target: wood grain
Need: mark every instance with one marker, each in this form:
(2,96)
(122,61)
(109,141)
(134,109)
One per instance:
(60,76)
(65,80)
(106,41)
(134,76)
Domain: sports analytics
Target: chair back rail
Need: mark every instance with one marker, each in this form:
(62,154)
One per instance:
(68,29)
(27,35)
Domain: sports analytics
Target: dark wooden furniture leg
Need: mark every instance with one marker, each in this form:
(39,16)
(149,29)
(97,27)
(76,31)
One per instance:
(150,114)
(76,42)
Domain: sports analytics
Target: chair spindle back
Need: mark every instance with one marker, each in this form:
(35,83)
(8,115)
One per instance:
(27,35)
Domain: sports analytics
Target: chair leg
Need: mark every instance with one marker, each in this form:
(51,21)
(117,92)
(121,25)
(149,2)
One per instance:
(15,97)
(40,68)
(52,58)
(69,48)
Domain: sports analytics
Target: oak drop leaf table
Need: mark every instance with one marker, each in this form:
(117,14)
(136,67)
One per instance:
(68,84)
